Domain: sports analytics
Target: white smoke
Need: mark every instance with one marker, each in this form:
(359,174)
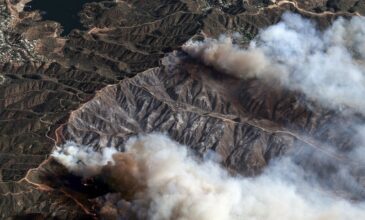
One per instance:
(328,66)
(180,186)
(83,160)
(167,181)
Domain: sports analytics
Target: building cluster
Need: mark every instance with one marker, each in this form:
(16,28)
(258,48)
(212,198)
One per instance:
(14,49)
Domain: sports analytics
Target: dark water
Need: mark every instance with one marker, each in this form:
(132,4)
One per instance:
(64,12)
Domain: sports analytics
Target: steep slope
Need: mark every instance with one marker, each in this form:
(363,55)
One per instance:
(44,77)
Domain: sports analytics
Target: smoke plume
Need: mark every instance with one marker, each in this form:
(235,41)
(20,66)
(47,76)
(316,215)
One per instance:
(328,66)
(164,180)
(157,178)
(83,160)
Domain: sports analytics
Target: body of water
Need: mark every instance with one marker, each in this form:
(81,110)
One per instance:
(64,12)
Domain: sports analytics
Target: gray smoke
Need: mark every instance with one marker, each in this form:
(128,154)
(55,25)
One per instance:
(328,66)
(157,178)
(177,185)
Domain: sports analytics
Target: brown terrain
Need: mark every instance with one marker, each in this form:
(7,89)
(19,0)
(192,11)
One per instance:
(126,75)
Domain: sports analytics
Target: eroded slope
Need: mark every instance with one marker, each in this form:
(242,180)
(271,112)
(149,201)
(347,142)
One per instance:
(43,77)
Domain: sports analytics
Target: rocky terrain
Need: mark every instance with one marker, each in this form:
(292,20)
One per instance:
(125,74)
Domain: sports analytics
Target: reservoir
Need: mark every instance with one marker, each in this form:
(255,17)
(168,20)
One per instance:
(64,12)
